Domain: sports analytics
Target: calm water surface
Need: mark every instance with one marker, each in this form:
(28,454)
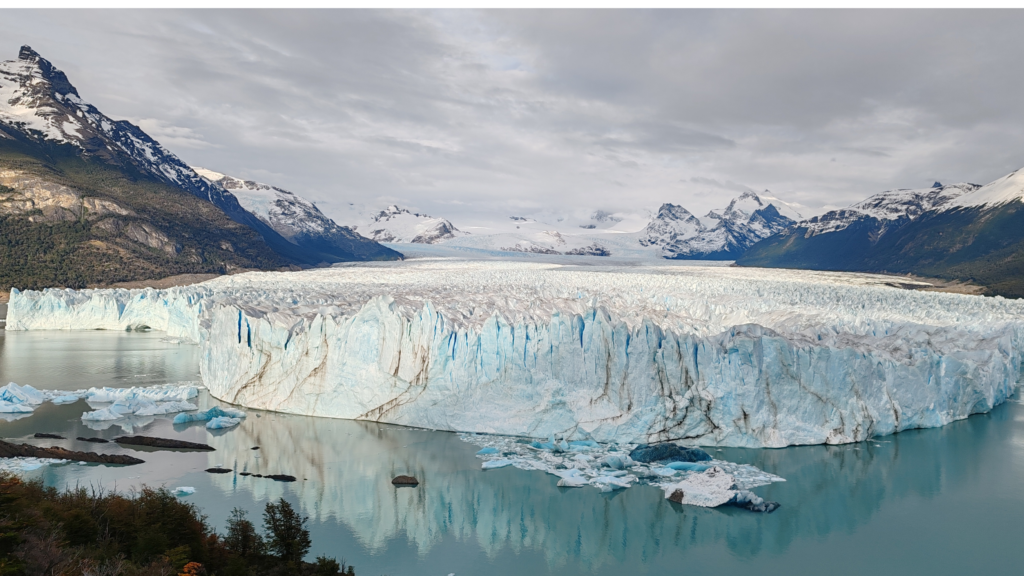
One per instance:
(943,501)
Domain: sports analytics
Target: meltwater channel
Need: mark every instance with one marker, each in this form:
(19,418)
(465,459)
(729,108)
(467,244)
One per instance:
(936,501)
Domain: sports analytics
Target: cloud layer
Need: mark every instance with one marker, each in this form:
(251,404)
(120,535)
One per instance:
(466,114)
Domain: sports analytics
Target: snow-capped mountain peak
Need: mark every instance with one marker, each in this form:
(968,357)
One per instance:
(720,234)
(891,205)
(38,102)
(290,215)
(397,224)
(1002,191)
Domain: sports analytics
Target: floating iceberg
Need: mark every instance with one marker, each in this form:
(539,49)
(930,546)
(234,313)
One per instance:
(183,491)
(15,407)
(209,414)
(628,354)
(609,467)
(27,395)
(220,422)
(137,401)
(27,463)
(708,489)
(126,402)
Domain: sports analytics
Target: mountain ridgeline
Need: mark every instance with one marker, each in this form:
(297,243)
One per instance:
(721,234)
(85,199)
(960,232)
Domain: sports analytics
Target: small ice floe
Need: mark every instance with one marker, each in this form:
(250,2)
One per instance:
(22,395)
(209,414)
(27,464)
(610,467)
(222,422)
(133,407)
(66,399)
(137,407)
(714,487)
(184,491)
(492,464)
(11,408)
(16,399)
(136,401)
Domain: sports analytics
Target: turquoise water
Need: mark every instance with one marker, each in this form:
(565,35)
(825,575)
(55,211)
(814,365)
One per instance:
(942,501)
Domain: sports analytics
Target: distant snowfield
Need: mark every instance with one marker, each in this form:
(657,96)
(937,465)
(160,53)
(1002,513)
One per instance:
(581,348)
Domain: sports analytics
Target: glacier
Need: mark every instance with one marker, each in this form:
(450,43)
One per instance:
(629,353)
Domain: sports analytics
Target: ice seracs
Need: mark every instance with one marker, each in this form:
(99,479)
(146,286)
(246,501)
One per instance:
(642,354)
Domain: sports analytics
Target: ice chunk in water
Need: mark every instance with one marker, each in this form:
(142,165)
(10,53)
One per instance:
(221,422)
(209,414)
(14,394)
(496,464)
(9,407)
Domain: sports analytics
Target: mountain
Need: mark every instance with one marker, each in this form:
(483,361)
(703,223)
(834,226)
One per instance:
(961,232)
(720,235)
(298,220)
(119,206)
(399,225)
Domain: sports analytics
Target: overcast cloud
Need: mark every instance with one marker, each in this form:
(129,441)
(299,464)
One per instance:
(464,113)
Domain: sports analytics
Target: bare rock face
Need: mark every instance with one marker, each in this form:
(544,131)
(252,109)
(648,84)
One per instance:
(146,234)
(27,193)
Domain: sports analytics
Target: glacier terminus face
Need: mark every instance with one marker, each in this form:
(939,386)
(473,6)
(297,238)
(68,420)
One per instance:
(624,353)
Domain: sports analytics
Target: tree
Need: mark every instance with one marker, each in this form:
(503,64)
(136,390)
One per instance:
(287,536)
(242,538)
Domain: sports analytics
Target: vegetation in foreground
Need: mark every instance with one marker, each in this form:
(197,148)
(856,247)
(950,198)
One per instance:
(48,532)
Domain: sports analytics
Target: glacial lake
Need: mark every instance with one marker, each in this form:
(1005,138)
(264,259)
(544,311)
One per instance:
(938,501)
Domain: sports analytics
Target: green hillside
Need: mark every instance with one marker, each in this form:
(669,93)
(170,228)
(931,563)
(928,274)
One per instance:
(72,247)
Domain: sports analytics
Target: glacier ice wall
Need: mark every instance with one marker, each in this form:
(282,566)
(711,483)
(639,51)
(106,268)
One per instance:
(709,356)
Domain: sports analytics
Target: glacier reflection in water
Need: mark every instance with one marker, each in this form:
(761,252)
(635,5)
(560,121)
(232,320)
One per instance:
(832,491)
(938,501)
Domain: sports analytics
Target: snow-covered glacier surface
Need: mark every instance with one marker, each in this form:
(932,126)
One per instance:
(629,354)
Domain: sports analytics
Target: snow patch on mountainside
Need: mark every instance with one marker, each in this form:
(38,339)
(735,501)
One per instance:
(399,225)
(37,100)
(287,213)
(1009,188)
(723,234)
(891,205)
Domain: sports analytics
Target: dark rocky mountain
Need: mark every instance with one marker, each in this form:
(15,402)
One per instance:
(720,235)
(122,205)
(959,232)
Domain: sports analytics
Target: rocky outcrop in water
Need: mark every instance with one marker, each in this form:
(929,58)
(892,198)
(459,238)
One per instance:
(8,450)
(154,442)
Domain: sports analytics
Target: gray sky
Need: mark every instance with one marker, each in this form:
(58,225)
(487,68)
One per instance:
(465,113)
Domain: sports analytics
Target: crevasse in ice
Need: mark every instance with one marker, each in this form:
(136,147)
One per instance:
(644,353)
